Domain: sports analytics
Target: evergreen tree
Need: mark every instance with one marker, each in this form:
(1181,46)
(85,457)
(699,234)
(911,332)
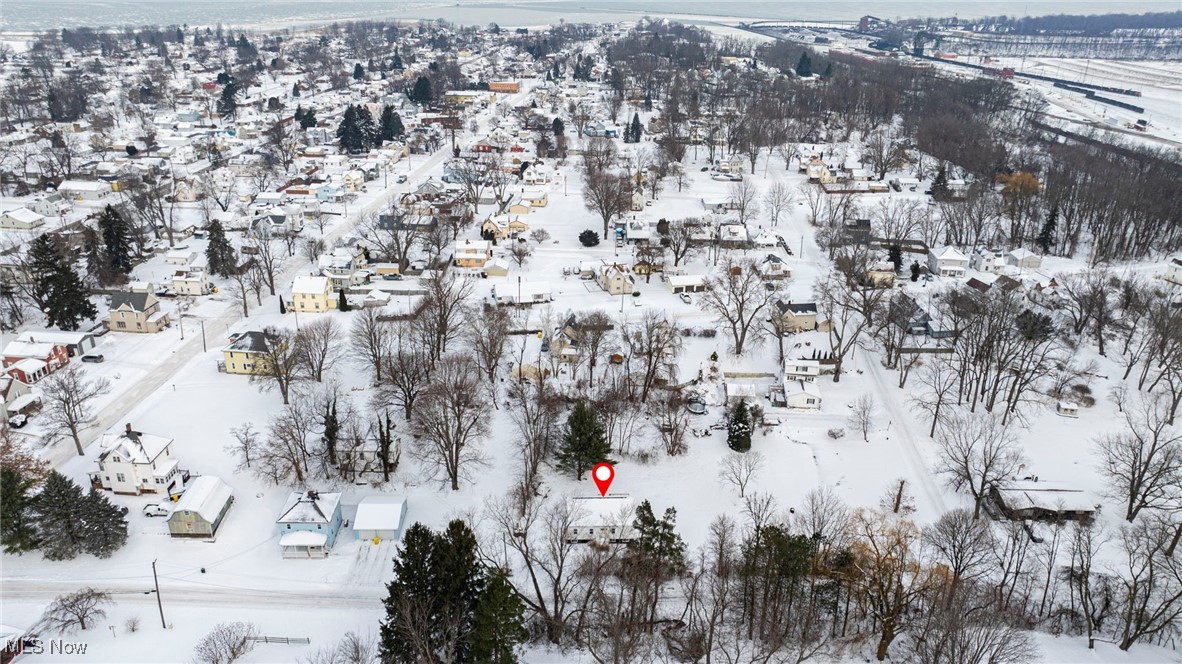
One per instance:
(738,428)
(309,120)
(804,66)
(57,289)
(367,127)
(421,93)
(299,113)
(558,126)
(295,90)
(343,302)
(1046,237)
(96,263)
(396,62)
(220,256)
(358,72)
(410,593)
(940,184)
(895,256)
(16,526)
(459,584)
(332,428)
(634,129)
(228,101)
(585,442)
(116,240)
(56,518)
(656,547)
(282,307)
(103,525)
(829,69)
(498,626)
(390,126)
(589,238)
(648,100)
(915,271)
(385,445)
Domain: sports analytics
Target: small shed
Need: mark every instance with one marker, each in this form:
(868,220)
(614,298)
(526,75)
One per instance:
(1067,409)
(379,518)
(201,508)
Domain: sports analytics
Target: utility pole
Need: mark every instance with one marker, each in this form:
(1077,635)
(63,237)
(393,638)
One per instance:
(159,604)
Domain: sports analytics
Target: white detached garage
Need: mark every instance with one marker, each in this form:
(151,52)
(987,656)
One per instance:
(380,517)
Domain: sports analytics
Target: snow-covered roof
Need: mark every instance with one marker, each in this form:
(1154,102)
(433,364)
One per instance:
(303,538)
(206,495)
(304,508)
(379,513)
(1048,496)
(313,285)
(28,349)
(949,254)
(684,280)
(24,214)
(52,336)
(606,510)
(134,446)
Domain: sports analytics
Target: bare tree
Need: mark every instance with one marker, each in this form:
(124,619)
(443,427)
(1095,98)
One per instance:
(67,397)
(285,456)
(655,345)
(450,418)
(519,252)
(607,195)
(351,649)
(862,415)
(266,259)
(488,337)
(739,299)
(371,340)
(1084,545)
(963,544)
(1143,464)
(441,319)
(941,380)
(739,468)
(743,198)
(963,633)
(228,642)
(281,363)
(671,423)
(78,610)
(777,200)
(977,452)
(849,308)
(1150,595)
(392,235)
(318,346)
(881,153)
(678,237)
(245,445)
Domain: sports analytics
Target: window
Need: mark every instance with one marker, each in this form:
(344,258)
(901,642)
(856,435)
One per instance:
(318,526)
(139,326)
(289,526)
(120,324)
(119,477)
(160,480)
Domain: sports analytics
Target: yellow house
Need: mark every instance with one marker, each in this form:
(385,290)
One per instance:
(520,207)
(244,354)
(136,312)
(472,253)
(503,226)
(535,197)
(312,294)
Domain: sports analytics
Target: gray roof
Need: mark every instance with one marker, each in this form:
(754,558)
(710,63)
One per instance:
(250,342)
(137,301)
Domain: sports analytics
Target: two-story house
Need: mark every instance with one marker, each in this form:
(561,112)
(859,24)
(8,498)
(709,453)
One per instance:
(947,262)
(805,370)
(615,279)
(308,524)
(136,312)
(244,354)
(133,463)
(312,294)
(472,253)
(797,316)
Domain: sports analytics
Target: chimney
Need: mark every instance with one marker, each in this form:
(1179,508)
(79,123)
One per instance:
(128,427)
(312,495)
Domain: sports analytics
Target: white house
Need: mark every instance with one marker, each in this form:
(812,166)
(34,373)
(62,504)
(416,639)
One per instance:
(133,463)
(802,394)
(602,519)
(1174,271)
(801,370)
(84,190)
(189,282)
(21,219)
(379,518)
(615,279)
(180,256)
(947,262)
(986,260)
(1024,259)
(522,292)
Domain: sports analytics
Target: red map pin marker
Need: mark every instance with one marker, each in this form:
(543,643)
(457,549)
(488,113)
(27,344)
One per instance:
(603,474)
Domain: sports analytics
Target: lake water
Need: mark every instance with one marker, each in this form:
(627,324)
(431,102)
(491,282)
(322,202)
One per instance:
(22,16)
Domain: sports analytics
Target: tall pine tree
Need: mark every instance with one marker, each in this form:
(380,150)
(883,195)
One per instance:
(103,525)
(804,66)
(738,428)
(56,515)
(585,443)
(498,626)
(116,240)
(1046,237)
(17,533)
(220,256)
(634,130)
(57,289)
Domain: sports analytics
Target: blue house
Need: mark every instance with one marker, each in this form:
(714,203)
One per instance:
(308,524)
(330,194)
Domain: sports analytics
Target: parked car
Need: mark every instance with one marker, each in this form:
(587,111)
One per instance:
(686,298)
(122,509)
(155,509)
(93,357)
(401,179)
(392,277)
(17,421)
